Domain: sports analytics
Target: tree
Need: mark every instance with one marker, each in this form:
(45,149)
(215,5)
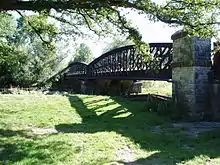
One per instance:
(83,54)
(11,59)
(7,26)
(11,64)
(198,17)
(42,58)
(24,59)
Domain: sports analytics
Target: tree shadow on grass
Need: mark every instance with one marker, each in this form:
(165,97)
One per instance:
(17,147)
(132,119)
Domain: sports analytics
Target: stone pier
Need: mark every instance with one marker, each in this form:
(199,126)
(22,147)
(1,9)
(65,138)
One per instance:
(191,64)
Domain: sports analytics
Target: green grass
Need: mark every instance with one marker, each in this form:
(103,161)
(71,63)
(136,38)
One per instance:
(94,130)
(157,87)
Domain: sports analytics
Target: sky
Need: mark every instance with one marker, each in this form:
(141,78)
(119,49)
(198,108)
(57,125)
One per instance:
(151,32)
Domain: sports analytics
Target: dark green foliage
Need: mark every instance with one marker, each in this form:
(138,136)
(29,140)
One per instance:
(27,52)
(11,64)
(200,17)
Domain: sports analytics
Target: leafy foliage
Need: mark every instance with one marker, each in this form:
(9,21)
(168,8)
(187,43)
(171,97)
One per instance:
(11,64)
(83,54)
(7,26)
(25,59)
(197,17)
(80,18)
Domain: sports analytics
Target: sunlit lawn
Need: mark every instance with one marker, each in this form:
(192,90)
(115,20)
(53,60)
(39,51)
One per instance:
(157,87)
(94,130)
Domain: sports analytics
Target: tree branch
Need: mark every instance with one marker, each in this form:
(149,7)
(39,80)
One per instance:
(35,30)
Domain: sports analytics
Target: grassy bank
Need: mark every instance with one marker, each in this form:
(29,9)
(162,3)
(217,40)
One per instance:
(95,130)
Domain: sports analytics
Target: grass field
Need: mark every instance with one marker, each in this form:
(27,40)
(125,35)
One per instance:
(95,130)
(157,87)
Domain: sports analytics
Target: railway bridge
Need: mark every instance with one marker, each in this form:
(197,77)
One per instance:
(186,63)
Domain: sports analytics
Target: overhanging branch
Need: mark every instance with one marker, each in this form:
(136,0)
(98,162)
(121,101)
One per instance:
(35,30)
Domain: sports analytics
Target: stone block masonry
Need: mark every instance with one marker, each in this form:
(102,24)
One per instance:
(191,64)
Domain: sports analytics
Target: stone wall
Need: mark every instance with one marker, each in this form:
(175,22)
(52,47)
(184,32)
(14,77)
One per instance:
(191,64)
(202,92)
(183,87)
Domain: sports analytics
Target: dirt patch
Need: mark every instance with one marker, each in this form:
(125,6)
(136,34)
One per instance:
(196,128)
(125,154)
(40,130)
(190,128)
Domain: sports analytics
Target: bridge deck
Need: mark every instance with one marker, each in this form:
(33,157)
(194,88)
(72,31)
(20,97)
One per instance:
(127,63)
(134,75)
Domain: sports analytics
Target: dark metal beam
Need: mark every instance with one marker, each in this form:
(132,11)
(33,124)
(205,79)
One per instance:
(126,63)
